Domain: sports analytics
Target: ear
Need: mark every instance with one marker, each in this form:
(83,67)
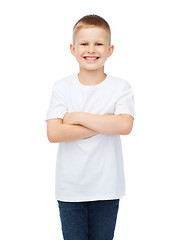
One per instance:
(110,51)
(72,49)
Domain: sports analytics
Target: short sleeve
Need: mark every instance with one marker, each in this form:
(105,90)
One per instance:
(125,102)
(57,107)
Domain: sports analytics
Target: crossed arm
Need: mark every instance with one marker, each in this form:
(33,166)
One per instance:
(79,125)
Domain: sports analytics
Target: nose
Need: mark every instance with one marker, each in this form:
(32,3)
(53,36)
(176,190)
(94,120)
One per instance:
(91,48)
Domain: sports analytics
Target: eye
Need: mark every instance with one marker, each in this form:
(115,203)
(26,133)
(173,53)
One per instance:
(99,44)
(84,44)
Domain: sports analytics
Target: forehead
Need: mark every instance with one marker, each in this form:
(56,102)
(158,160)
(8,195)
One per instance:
(92,34)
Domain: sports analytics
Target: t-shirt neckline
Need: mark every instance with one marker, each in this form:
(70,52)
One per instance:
(78,83)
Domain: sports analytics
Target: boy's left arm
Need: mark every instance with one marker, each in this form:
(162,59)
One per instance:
(120,124)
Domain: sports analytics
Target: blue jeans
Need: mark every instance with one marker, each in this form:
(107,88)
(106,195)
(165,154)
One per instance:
(92,220)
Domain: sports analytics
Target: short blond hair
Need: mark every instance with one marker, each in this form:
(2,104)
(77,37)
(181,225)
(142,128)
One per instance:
(89,21)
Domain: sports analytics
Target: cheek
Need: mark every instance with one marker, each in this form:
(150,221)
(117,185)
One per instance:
(80,52)
(105,54)
(104,51)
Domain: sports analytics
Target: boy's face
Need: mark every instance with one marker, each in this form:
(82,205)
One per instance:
(91,48)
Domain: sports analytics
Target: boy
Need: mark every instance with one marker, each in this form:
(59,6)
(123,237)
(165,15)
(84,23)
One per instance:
(87,114)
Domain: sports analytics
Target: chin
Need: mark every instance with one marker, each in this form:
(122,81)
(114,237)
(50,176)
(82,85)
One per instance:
(91,68)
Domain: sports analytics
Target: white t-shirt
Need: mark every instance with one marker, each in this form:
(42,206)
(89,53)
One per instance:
(90,169)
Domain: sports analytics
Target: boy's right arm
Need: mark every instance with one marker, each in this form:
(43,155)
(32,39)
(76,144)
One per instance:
(59,132)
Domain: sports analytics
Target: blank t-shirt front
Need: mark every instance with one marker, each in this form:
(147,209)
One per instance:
(90,169)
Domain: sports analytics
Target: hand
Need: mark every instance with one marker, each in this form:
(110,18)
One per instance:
(71,118)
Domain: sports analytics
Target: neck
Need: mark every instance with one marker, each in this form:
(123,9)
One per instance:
(92,77)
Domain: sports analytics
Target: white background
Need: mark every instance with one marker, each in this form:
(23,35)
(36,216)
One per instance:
(34,53)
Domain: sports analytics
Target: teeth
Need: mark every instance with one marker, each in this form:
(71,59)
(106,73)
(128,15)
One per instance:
(90,58)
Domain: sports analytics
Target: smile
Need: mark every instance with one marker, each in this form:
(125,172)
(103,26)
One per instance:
(91,59)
